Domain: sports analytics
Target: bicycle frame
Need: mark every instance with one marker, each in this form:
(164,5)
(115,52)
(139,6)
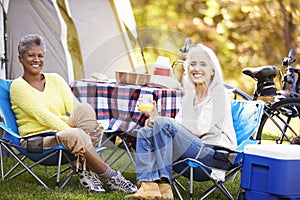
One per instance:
(284,102)
(292,81)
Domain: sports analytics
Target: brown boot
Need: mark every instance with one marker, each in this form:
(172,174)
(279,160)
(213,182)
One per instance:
(147,190)
(166,191)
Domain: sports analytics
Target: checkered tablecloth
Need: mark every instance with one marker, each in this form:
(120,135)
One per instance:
(116,105)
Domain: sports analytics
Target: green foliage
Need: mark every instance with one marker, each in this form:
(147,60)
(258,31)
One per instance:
(249,33)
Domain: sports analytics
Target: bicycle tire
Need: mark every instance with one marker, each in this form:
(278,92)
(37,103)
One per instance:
(280,122)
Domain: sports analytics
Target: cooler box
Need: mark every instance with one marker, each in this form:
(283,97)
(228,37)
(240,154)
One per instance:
(271,171)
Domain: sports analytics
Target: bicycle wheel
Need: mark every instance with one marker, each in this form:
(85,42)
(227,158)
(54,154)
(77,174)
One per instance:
(280,122)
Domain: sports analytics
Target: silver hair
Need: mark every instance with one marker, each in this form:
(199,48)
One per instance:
(198,49)
(208,55)
(30,40)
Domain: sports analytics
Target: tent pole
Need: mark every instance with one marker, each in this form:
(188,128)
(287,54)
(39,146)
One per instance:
(143,56)
(4,60)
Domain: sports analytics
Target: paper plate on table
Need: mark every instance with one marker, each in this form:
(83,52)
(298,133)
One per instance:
(98,77)
(99,81)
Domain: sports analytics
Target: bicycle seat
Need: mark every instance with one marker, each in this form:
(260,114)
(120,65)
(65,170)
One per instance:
(261,73)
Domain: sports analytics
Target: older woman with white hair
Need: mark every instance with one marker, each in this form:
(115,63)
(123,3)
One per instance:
(205,117)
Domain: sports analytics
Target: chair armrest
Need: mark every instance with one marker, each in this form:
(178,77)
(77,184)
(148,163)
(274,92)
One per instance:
(108,131)
(34,143)
(8,131)
(101,149)
(41,134)
(222,153)
(221,148)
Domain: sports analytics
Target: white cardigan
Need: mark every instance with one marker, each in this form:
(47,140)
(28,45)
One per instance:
(211,119)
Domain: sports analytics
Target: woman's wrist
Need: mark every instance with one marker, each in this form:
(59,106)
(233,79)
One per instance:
(153,113)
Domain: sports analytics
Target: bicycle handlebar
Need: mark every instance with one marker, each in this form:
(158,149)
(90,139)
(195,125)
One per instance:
(290,77)
(186,46)
(292,53)
(288,61)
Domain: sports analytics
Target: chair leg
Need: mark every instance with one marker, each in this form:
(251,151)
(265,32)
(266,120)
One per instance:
(214,187)
(226,192)
(14,167)
(113,152)
(179,184)
(26,168)
(210,190)
(58,168)
(108,139)
(1,162)
(191,182)
(116,158)
(60,155)
(220,185)
(174,184)
(127,150)
(70,175)
(60,171)
(127,147)
(31,166)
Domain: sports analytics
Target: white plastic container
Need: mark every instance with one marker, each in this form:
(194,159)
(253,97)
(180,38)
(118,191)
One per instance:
(162,66)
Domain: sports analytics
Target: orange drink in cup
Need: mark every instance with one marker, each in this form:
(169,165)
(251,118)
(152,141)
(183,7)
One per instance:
(146,107)
(145,103)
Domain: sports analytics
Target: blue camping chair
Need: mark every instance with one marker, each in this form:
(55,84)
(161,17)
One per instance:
(246,119)
(10,145)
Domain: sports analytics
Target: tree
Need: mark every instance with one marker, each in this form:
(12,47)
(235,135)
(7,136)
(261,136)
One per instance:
(243,34)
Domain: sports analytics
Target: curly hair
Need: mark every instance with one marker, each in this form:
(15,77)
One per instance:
(30,40)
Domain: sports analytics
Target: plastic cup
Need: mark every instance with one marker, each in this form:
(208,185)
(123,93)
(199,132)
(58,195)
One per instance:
(145,104)
(146,107)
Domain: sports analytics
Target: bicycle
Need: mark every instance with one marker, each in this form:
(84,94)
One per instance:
(281,116)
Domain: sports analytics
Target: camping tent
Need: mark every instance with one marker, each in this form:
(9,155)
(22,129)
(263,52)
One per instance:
(83,37)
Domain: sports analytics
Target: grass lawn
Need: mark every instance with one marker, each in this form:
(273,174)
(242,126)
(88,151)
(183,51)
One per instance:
(26,187)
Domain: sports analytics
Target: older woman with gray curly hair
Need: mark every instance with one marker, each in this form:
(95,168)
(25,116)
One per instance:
(44,101)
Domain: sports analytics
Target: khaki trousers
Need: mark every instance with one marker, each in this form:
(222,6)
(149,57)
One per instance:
(85,132)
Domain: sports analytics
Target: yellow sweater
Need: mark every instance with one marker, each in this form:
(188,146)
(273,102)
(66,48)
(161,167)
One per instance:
(37,111)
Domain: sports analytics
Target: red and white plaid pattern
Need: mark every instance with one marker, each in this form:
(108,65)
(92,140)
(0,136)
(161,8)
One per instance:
(116,105)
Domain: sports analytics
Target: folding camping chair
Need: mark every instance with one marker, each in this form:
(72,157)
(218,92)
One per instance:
(125,146)
(11,145)
(246,118)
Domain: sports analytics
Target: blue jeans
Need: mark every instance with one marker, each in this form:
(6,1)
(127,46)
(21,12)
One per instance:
(158,147)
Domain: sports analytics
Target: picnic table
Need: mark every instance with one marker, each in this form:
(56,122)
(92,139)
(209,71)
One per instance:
(116,104)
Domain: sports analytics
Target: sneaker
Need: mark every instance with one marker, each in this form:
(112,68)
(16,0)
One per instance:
(90,181)
(119,183)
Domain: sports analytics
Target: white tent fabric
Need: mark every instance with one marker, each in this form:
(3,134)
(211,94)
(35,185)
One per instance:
(125,14)
(37,17)
(104,48)
(98,24)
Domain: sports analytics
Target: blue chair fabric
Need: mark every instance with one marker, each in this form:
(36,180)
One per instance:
(10,143)
(246,119)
